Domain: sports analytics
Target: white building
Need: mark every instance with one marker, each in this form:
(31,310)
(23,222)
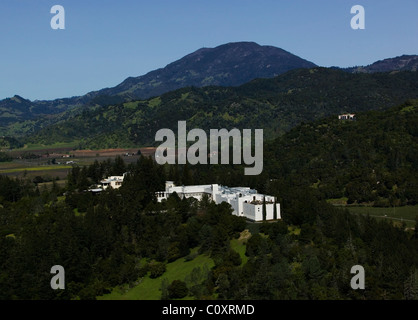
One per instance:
(244,201)
(113,181)
(347,116)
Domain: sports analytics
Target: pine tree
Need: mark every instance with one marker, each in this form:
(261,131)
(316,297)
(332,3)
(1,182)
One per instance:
(119,166)
(411,286)
(274,210)
(264,209)
(164,289)
(187,176)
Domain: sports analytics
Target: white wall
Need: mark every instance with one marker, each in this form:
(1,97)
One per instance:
(253,212)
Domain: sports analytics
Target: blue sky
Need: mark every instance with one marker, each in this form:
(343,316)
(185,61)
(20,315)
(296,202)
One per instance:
(106,41)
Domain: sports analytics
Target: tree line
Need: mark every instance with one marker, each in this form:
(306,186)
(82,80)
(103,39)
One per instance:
(122,235)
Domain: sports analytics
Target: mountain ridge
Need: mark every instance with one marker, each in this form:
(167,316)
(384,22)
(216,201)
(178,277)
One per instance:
(229,64)
(204,67)
(275,105)
(399,63)
(212,66)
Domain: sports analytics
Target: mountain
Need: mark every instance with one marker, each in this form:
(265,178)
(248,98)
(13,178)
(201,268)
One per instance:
(230,64)
(19,116)
(402,63)
(14,108)
(276,105)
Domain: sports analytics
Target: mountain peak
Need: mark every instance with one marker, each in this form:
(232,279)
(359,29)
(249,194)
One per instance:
(18,99)
(229,64)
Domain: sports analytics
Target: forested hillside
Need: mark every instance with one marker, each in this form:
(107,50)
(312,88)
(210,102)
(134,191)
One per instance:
(401,63)
(122,236)
(275,105)
(372,159)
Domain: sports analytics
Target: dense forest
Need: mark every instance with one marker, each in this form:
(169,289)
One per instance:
(120,236)
(275,105)
(373,159)
(103,241)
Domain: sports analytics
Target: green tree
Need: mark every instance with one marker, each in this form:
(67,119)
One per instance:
(164,289)
(411,286)
(157,269)
(177,289)
(275,210)
(416,228)
(264,209)
(223,285)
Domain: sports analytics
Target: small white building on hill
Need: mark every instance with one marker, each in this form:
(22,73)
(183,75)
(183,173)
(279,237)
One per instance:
(347,116)
(245,202)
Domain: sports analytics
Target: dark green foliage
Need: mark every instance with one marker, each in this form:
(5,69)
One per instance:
(12,190)
(416,228)
(9,143)
(4,157)
(373,159)
(275,210)
(102,240)
(264,209)
(281,268)
(177,289)
(157,269)
(38,179)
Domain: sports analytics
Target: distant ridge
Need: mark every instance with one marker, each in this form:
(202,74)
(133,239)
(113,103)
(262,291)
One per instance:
(274,105)
(401,63)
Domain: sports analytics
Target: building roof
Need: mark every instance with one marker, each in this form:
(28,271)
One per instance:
(113,178)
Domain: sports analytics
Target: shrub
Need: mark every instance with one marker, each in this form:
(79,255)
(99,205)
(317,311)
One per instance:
(157,269)
(177,289)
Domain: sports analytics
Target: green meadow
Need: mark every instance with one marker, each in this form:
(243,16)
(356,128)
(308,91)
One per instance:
(37,168)
(150,289)
(239,246)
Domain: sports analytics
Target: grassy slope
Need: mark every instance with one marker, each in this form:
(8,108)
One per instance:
(34,146)
(149,289)
(239,246)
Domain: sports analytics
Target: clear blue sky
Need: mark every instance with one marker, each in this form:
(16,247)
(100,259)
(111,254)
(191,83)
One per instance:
(105,41)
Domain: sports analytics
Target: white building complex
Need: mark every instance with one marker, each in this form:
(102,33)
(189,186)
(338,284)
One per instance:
(113,181)
(245,202)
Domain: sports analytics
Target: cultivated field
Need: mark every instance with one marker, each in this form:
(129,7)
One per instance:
(54,162)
